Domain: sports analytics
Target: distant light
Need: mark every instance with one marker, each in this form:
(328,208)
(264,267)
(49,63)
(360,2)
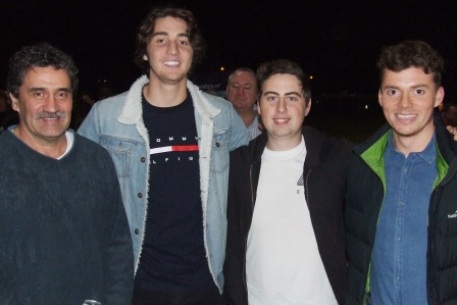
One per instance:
(222,69)
(366,107)
(311,77)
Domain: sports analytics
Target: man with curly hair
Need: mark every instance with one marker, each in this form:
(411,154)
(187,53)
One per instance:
(170,143)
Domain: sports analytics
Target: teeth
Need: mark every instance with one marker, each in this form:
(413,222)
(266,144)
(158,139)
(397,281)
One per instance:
(280,120)
(405,116)
(171,63)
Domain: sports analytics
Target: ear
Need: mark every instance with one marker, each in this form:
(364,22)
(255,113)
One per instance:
(14,102)
(308,108)
(380,97)
(258,105)
(439,96)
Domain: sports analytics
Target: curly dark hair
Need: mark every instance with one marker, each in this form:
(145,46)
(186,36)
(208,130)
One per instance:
(146,29)
(283,66)
(411,53)
(38,55)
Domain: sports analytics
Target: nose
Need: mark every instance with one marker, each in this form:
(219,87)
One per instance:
(50,104)
(405,101)
(281,106)
(172,47)
(240,91)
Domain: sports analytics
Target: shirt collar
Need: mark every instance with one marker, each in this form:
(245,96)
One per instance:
(428,154)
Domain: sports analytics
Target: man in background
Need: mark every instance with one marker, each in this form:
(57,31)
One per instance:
(450,114)
(242,92)
(64,236)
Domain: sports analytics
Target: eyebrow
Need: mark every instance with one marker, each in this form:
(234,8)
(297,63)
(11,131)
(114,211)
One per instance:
(397,87)
(287,93)
(34,89)
(166,34)
(240,83)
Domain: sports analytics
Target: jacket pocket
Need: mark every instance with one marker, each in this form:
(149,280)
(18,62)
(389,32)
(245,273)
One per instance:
(220,152)
(121,152)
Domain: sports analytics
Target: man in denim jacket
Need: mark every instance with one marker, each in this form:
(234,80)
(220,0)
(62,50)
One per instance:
(170,143)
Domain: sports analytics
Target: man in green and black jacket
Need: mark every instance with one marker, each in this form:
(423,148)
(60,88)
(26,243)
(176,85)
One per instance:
(401,203)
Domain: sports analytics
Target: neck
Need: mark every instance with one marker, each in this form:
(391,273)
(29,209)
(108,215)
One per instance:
(160,94)
(415,143)
(52,148)
(247,117)
(279,144)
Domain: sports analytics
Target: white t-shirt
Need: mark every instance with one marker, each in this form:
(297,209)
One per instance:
(283,265)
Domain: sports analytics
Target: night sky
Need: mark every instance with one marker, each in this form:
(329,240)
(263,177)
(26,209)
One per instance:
(335,41)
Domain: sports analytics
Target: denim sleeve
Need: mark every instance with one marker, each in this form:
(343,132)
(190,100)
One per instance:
(239,134)
(90,127)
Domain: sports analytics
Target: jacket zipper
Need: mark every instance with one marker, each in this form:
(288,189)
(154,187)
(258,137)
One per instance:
(306,188)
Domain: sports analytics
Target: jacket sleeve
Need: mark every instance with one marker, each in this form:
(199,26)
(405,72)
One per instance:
(90,127)
(239,134)
(234,287)
(118,252)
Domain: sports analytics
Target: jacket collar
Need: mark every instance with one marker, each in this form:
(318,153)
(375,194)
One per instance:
(314,141)
(447,146)
(132,111)
(447,150)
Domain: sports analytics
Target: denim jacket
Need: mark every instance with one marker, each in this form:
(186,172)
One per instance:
(117,124)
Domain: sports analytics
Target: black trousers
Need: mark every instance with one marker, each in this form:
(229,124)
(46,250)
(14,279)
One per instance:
(201,297)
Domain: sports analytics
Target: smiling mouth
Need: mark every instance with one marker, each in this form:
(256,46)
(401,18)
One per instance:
(171,63)
(405,116)
(281,120)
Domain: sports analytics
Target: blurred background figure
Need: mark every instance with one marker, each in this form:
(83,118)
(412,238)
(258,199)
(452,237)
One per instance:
(3,101)
(104,93)
(450,114)
(8,116)
(242,93)
(86,97)
(82,105)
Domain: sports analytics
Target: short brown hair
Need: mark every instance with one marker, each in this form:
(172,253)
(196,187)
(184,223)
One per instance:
(411,53)
(283,66)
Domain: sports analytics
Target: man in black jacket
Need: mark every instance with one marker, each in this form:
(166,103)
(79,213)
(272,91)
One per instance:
(401,210)
(285,239)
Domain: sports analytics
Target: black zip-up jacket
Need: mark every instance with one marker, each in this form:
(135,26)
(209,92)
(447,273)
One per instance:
(325,181)
(365,194)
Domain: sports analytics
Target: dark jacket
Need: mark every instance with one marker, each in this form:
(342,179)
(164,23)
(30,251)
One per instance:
(365,195)
(325,179)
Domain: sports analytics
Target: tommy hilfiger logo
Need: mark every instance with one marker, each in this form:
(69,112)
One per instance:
(174,149)
(451,216)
